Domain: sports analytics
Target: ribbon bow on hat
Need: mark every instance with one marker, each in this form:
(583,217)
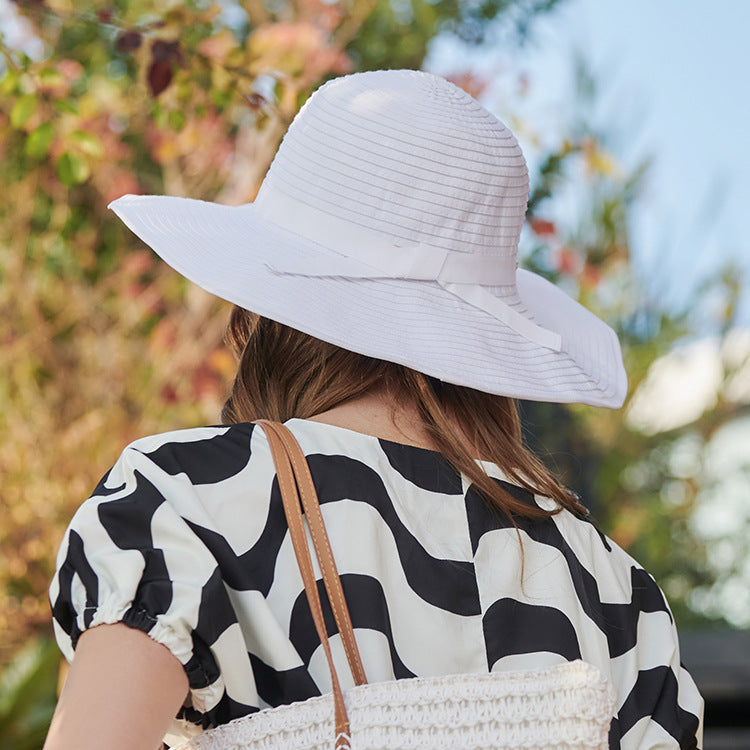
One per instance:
(364,255)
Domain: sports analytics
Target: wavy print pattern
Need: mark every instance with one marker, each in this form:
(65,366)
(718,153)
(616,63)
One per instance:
(151,548)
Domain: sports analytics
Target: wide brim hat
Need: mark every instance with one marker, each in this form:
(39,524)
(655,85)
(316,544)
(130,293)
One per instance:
(388,224)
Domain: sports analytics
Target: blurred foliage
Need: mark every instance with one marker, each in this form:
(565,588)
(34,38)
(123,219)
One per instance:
(101,343)
(28,695)
(396,34)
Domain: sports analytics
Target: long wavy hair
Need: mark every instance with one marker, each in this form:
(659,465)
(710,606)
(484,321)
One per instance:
(284,373)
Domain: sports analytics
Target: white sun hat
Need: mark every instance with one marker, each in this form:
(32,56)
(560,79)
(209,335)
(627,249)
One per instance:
(388,224)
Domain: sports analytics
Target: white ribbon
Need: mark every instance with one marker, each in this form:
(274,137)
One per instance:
(498,308)
(365,254)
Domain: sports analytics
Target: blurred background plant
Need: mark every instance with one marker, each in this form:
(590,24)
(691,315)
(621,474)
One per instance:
(101,343)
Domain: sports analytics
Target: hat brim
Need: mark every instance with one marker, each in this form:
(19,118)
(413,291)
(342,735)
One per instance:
(230,252)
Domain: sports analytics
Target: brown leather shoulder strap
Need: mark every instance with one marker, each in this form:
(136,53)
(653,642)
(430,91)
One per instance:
(291,500)
(322,546)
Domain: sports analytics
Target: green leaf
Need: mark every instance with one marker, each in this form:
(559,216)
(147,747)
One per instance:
(51,76)
(71,169)
(66,106)
(221,98)
(9,83)
(38,142)
(160,115)
(22,110)
(27,695)
(176,119)
(88,143)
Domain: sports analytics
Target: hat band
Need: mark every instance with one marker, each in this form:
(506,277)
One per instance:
(374,255)
(462,274)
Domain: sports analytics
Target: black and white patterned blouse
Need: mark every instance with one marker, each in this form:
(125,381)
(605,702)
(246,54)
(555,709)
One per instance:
(185,539)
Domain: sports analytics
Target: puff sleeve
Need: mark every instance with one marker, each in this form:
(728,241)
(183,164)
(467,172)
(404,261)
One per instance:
(134,553)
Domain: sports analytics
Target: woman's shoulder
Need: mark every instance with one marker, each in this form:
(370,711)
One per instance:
(215,454)
(217,444)
(183,468)
(194,448)
(606,572)
(215,469)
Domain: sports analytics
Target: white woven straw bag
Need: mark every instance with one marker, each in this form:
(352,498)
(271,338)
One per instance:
(565,707)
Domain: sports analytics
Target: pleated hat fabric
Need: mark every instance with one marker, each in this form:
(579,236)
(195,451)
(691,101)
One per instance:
(388,224)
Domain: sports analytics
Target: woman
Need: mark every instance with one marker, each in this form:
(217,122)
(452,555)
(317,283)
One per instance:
(390,329)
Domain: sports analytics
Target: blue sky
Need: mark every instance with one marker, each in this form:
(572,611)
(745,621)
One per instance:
(674,77)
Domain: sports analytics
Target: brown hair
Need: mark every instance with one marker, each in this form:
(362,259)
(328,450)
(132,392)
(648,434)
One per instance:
(284,373)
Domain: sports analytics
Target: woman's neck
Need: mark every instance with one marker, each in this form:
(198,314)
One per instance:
(381,415)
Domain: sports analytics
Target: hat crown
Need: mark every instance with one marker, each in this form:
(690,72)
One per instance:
(408,155)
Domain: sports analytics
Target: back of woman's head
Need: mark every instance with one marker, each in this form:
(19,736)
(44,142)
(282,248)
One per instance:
(284,374)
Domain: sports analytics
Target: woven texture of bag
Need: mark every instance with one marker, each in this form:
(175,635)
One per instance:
(567,707)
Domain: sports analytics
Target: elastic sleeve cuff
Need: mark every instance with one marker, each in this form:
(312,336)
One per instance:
(204,679)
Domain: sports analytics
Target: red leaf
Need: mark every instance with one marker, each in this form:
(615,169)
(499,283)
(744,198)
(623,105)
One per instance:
(128,41)
(105,15)
(256,101)
(159,76)
(567,261)
(166,51)
(542,227)
(205,382)
(592,276)
(471,83)
(169,394)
